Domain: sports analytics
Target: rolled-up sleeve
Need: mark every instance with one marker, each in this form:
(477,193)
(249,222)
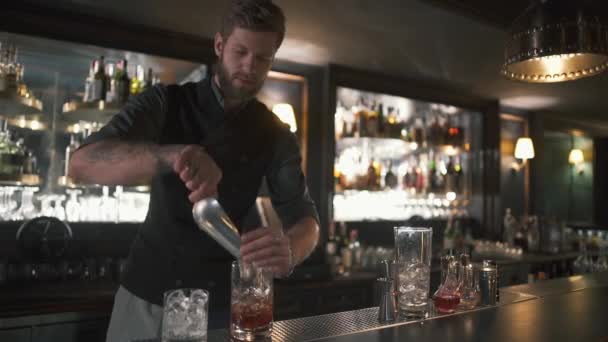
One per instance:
(287,184)
(140,119)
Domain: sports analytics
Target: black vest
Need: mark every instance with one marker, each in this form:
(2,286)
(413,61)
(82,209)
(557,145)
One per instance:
(169,251)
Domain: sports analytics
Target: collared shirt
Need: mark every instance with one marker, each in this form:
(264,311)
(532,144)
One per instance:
(143,117)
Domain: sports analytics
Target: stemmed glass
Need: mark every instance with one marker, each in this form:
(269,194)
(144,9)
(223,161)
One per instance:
(72,207)
(26,210)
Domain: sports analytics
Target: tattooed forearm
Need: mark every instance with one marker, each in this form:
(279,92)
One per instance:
(122,162)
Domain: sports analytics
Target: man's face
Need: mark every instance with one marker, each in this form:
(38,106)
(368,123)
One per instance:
(245,57)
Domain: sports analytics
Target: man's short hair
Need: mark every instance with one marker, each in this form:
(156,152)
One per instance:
(254,15)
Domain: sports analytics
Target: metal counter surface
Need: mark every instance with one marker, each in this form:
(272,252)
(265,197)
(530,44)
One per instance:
(568,309)
(576,316)
(349,322)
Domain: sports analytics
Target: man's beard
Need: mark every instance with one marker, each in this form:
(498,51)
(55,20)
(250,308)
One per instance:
(230,92)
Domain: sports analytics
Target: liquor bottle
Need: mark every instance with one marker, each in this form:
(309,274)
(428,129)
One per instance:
(3,80)
(434,135)
(111,84)
(381,118)
(533,234)
(419,134)
(510,227)
(69,150)
(449,234)
(450,177)
(361,120)
(331,248)
(373,175)
(459,175)
(149,80)
(99,81)
(88,83)
(390,179)
(521,235)
(432,176)
(345,252)
(137,80)
(122,81)
(372,122)
(356,251)
(392,127)
(11,67)
(420,181)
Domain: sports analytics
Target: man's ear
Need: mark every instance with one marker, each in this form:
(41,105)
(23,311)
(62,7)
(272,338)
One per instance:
(218,44)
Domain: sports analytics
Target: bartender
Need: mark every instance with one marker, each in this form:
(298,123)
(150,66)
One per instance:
(190,142)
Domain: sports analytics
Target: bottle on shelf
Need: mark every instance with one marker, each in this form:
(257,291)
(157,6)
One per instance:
(3,68)
(435,137)
(419,133)
(149,80)
(88,83)
(99,87)
(137,81)
(372,122)
(432,177)
(451,177)
(361,119)
(449,235)
(69,150)
(373,175)
(390,179)
(122,81)
(111,83)
(10,67)
(509,227)
(521,235)
(459,175)
(533,235)
(345,252)
(331,248)
(381,118)
(356,251)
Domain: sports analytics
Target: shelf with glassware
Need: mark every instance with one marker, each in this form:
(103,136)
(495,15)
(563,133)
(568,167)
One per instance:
(33,140)
(397,158)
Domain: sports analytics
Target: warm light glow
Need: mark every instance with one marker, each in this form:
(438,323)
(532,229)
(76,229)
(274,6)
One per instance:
(524,149)
(450,196)
(576,157)
(35,125)
(285,112)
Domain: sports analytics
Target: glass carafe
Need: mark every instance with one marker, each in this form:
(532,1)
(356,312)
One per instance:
(469,288)
(447,296)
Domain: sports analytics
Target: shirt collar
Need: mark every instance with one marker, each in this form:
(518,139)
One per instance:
(220,97)
(216,91)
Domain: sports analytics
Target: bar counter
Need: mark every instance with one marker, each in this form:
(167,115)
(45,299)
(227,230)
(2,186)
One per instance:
(567,309)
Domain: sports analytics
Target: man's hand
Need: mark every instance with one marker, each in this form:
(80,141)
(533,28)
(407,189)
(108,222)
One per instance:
(198,171)
(267,248)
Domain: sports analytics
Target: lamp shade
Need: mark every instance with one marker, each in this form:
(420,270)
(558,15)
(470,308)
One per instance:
(285,112)
(524,148)
(557,40)
(576,157)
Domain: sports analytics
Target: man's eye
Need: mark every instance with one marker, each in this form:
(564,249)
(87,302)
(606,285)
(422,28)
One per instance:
(241,52)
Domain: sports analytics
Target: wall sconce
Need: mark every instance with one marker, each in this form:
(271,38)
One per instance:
(576,158)
(524,150)
(284,111)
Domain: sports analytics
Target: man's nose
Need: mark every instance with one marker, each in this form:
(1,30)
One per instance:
(249,64)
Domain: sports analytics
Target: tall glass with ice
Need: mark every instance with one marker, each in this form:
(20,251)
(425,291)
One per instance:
(251,303)
(185,315)
(413,264)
